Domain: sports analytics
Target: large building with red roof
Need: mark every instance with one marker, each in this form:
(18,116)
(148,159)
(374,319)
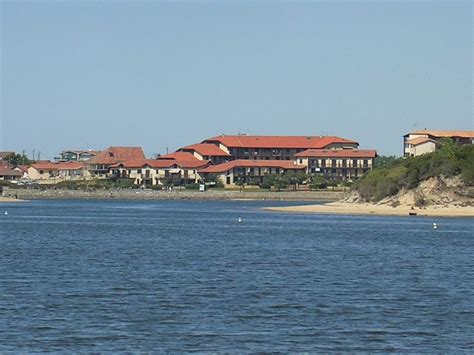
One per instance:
(275,147)
(248,158)
(223,148)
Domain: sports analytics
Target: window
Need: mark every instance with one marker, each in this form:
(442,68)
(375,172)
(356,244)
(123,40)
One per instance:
(139,171)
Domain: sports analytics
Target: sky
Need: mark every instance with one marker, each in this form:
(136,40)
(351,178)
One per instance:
(162,75)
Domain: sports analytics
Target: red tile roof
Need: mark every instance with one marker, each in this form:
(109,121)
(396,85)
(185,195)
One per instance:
(192,164)
(9,172)
(185,160)
(114,155)
(337,153)
(23,168)
(178,156)
(208,149)
(241,163)
(444,134)
(419,140)
(47,165)
(278,142)
(153,163)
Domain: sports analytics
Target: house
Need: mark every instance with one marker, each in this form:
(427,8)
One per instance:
(10,174)
(76,155)
(99,165)
(147,172)
(187,166)
(425,141)
(275,147)
(177,168)
(50,173)
(337,164)
(23,169)
(207,151)
(248,172)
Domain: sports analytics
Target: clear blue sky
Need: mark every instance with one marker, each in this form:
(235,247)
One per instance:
(89,74)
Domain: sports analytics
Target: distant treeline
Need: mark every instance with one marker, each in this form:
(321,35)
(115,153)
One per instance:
(393,174)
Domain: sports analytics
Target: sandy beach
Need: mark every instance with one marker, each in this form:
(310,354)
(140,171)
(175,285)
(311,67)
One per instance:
(9,199)
(382,210)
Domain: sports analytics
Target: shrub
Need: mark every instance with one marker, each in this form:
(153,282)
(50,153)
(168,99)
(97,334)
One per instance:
(193,186)
(7,183)
(449,160)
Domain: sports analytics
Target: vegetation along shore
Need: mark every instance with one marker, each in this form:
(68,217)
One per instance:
(440,183)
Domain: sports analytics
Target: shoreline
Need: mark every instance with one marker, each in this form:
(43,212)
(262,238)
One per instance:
(366,209)
(10,199)
(217,195)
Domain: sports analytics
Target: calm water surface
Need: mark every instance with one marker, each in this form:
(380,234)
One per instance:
(187,276)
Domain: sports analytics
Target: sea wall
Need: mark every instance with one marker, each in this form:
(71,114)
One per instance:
(34,194)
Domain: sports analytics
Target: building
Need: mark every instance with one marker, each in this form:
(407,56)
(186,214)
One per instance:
(50,173)
(248,172)
(425,141)
(275,147)
(207,151)
(179,168)
(9,174)
(187,166)
(100,163)
(337,164)
(76,155)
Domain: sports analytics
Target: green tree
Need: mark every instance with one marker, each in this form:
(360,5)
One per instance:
(318,182)
(384,161)
(294,178)
(17,159)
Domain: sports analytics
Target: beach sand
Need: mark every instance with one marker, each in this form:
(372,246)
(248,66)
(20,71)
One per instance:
(9,199)
(345,208)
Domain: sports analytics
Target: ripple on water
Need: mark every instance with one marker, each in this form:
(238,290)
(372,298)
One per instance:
(176,276)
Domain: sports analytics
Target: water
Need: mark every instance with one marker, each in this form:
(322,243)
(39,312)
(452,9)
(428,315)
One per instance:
(187,276)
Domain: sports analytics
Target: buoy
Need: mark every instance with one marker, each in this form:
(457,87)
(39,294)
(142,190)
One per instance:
(240,219)
(6,213)
(435,226)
